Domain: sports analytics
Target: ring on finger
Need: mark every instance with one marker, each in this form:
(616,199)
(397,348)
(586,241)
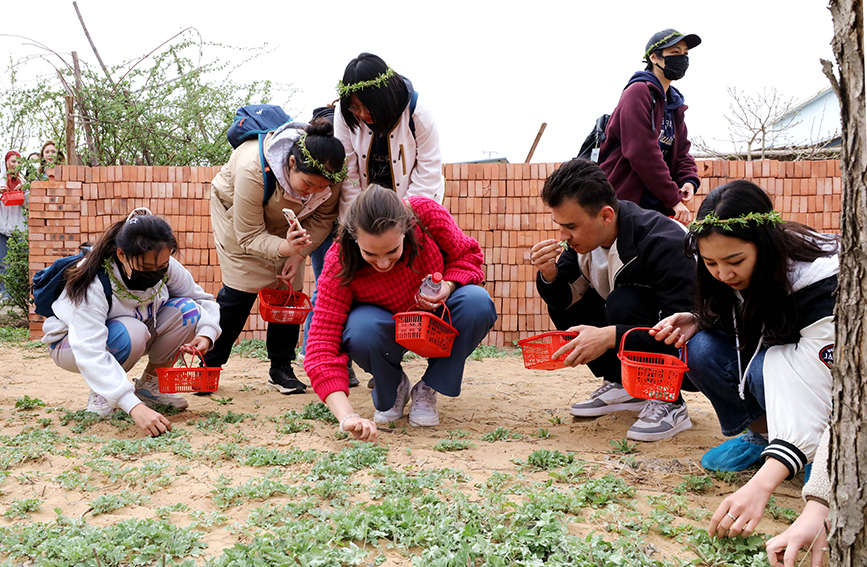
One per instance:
(732,517)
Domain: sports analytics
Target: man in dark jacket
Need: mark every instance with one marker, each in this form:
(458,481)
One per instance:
(624,267)
(646,150)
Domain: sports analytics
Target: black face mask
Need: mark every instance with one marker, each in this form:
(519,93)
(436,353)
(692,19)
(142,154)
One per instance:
(141,281)
(675,66)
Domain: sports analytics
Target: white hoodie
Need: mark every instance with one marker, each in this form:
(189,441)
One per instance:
(88,333)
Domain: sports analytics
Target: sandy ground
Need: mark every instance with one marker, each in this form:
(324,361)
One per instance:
(497,392)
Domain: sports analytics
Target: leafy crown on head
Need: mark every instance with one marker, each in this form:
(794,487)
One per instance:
(653,47)
(344,90)
(310,161)
(772,217)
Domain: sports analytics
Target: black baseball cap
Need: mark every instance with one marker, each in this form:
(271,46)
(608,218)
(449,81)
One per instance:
(667,38)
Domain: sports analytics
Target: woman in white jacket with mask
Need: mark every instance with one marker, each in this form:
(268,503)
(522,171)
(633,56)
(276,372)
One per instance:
(155,308)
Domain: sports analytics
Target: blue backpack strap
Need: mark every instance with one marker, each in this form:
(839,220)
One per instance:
(412,104)
(267,175)
(106,285)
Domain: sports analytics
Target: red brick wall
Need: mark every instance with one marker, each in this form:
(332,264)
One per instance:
(497,204)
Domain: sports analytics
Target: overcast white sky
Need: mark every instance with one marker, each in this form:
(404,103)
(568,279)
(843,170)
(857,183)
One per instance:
(491,72)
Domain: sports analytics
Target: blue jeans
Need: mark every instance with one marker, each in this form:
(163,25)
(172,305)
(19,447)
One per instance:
(317,260)
(369,339)
(713,369)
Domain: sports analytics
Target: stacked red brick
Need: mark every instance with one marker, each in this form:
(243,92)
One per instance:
(497,204)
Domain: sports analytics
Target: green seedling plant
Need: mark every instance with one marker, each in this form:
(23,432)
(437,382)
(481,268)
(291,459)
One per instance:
(22,508)
(482,352)
(110,502)
(223,401)
(543,434)
(251,348)
(500,434)
(28,403)
(318,411)
(545,459)
(623,447)
(452,445)
(164,512)
(780,513)
(571,473)
(694,483)
(457,433)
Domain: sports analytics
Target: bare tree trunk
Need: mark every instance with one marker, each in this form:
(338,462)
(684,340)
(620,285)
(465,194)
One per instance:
(85,118)
(71,156)
(848,457)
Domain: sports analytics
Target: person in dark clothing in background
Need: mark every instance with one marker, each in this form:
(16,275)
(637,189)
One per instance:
(646,150)
(624,267)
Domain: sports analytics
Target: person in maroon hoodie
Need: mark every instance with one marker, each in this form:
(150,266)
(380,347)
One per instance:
(646,150)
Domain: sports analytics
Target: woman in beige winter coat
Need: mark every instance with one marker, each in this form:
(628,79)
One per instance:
(255,243)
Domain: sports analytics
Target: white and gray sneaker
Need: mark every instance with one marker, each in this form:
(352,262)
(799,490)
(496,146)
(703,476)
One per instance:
(98,405)
(660,420)
(396,412)
(147,389)
(423,410)
(607,398)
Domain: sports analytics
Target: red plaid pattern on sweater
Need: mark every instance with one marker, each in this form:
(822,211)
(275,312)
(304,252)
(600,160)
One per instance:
(394,290)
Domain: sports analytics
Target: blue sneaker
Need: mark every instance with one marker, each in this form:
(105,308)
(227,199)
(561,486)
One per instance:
(736,454)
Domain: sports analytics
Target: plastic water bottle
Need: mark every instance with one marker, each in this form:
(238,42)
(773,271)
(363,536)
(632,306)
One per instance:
(431,286)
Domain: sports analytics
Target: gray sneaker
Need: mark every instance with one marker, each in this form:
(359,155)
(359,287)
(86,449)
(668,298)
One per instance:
(660,420)
(607,398)
(423,410)
(396,412)
(98,405)
(147,389)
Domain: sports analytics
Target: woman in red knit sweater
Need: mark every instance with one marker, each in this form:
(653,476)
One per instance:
(384,250)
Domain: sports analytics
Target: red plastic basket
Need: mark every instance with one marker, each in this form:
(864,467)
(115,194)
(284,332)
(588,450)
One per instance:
(424,333)
(284,306)
(651,375)
(188,379)
(539,349)
(12,198)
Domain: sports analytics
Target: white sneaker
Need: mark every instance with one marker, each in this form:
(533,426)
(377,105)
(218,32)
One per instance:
(396,412)
(607,398)
(423,410)
(659,420)
(147,388)
(98,405)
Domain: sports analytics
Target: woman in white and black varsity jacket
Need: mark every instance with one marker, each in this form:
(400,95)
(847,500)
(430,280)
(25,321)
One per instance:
(761,341)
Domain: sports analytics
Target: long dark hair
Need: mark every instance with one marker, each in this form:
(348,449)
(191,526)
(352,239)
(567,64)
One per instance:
(141,234)
(385,103)
(768,300)
(376,211)
(323,147)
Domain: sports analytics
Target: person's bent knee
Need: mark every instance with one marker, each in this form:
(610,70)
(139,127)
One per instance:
(367,327)
(127,340)
(476,302)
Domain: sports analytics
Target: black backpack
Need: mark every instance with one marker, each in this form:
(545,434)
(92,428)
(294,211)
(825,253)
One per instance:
(590,148)
(255,121)
(592,143)
(48,284)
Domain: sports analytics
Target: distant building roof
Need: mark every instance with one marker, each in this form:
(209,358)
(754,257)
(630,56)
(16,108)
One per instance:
(812,122)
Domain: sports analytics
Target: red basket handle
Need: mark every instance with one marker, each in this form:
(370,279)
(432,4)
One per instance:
(445,310)
(623,341)
(180,354)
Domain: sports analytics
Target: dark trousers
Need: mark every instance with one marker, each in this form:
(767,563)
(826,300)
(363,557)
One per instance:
(626,305)
(235,306)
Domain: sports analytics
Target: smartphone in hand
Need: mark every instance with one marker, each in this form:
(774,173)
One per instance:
(290,218)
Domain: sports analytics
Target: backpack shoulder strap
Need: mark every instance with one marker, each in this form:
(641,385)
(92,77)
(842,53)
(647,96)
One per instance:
(412,104)
(106,285)
(267,175)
